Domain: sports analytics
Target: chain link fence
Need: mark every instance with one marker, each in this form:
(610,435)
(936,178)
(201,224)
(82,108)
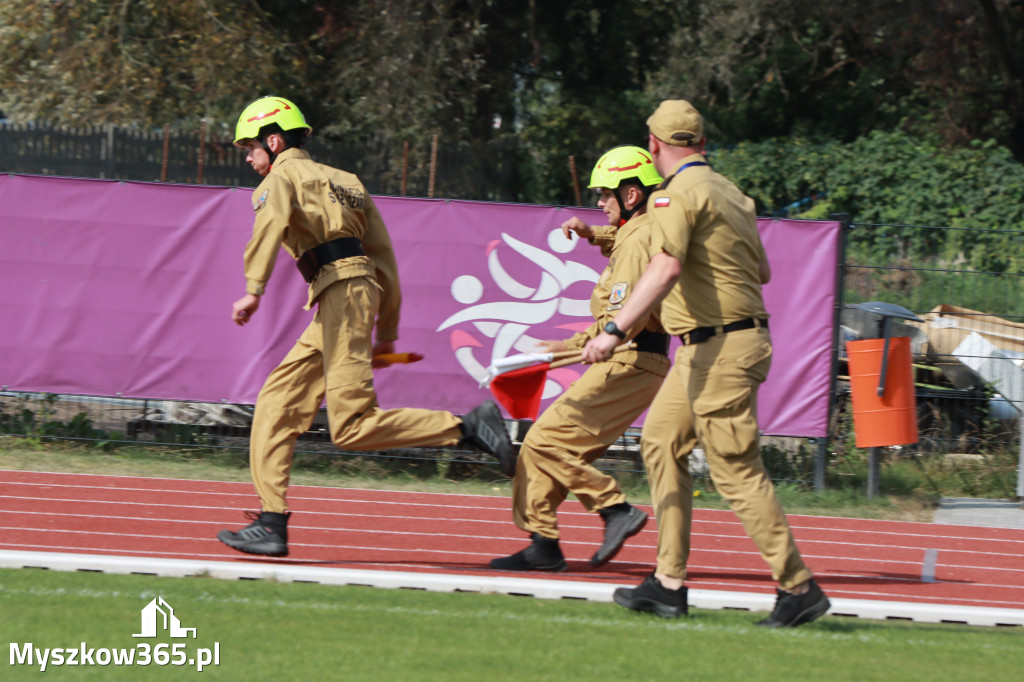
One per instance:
(968,379)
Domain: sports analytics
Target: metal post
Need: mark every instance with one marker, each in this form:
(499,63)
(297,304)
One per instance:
(874,471)
(821,461)
(1020,465)
(884,328)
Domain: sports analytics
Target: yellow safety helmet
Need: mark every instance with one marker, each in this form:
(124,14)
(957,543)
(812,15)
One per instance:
(623,163)
(267,110)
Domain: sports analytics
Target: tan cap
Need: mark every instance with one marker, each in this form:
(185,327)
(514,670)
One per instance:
(676,122)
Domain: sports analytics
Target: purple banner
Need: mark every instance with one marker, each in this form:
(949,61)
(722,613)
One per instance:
(110,288)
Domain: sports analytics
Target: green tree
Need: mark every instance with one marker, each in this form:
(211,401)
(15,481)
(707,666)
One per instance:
(367,67)
(398,70)
(892,179)
(567,79)
(571,78)
(134,62)
(767,68)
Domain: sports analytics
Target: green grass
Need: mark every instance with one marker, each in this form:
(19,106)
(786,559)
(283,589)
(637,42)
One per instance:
(228,465)
(274,631)
(292,631)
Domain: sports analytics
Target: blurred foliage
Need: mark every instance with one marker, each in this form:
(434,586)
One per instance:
(38,422)
(891,184)
(767,68)
(563,79)
(578,72)
(395,68)
(143,62)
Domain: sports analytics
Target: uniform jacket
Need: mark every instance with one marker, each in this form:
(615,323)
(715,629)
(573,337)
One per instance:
(301,204)
(629,255)
(704,221)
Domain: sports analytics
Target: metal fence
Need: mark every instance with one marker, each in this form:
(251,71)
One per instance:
(960,414)
(442,169)
(968,362)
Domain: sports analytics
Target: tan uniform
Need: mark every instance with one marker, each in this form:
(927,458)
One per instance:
(299,205)
(596,410)
(710,396)
(604,238)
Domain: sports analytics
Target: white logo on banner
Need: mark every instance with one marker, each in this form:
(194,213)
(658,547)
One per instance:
(506,324)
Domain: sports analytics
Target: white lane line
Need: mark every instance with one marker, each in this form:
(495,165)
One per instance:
(731,522)
(962,555)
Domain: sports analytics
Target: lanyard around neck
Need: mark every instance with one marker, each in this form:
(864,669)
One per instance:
(698,162)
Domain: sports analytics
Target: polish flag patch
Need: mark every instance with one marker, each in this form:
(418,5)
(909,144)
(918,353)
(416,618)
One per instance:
(662,202)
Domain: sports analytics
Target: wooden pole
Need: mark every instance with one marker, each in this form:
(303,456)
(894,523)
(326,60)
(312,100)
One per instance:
(405,168)
(202,151)
(575,180)
(433,167)
(167,151)
(110,158)
(566,358)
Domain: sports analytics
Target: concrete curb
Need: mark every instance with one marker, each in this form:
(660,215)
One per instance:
(538,588)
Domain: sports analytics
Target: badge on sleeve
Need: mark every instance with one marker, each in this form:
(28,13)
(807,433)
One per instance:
(618,293)
(662,202)
(261,201)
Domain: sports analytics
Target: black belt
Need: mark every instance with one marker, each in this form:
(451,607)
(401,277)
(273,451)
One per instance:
(652,342)
(701,334)
(319,256)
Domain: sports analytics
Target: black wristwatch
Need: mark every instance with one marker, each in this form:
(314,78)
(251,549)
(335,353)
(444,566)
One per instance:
(613,329)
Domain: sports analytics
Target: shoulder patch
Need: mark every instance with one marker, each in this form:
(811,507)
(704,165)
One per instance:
(261,201)
(618,293)
(662,202)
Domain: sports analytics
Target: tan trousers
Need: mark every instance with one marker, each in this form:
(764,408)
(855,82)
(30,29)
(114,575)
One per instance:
(332,359)
(710,397)
(576,429)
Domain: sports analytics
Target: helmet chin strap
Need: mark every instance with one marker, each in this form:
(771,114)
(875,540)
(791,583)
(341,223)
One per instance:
(266,148)
(624,213)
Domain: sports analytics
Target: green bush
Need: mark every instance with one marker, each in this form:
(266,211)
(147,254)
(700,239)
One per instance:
(38,419)
(887,181)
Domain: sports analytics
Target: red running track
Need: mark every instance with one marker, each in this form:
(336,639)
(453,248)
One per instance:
(459,534)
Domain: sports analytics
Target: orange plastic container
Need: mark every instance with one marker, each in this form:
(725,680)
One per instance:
(889,419)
